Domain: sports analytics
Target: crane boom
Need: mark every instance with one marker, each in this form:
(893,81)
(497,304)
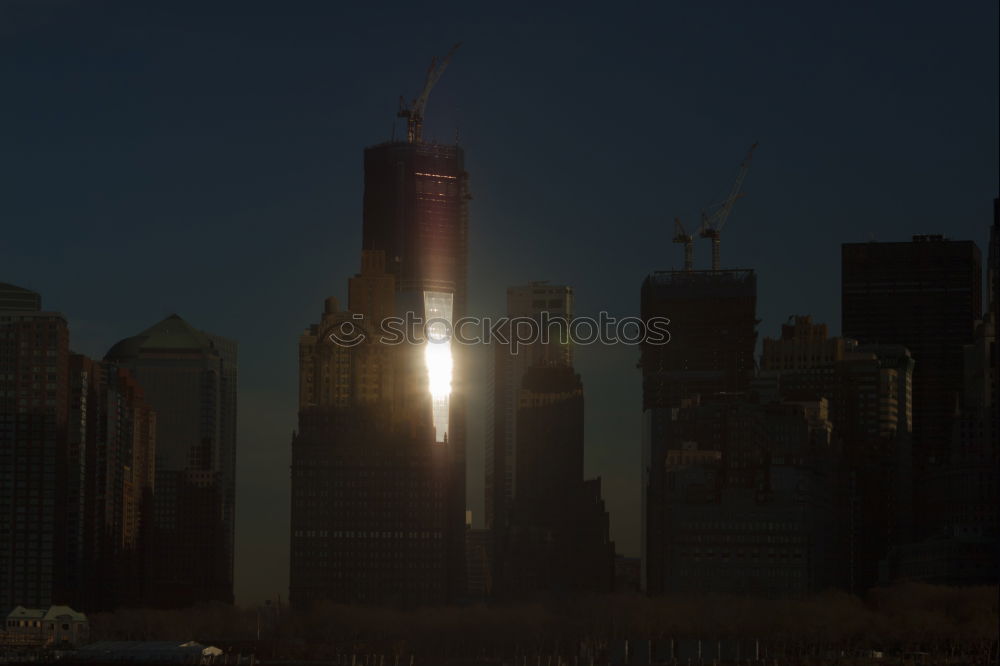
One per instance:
(715,216)
(414,114)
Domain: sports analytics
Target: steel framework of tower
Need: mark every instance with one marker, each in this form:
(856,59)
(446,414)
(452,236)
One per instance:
(682,236)
(414,114)
(714,217)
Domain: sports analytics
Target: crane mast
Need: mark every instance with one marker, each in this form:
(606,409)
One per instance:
(715,216)
(414,113)
(682,236)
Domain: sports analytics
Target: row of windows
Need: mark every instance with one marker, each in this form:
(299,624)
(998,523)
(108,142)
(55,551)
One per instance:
(36,624)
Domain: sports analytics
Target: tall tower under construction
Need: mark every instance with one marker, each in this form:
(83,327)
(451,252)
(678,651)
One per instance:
(416,214)
(391,415)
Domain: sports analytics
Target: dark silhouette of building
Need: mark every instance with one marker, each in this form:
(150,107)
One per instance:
(959,539)
(993,279)
(368,510)
(546,304)
(189,377)
(556,541)
(478,559)
(39,547)
(868,388)
(628,574)
(713,332)
(927,296)
(749,498)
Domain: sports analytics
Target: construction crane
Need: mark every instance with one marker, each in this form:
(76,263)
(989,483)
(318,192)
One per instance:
(682,236)
(715,216)
(414,113)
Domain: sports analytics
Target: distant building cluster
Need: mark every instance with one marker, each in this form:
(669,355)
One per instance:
(829,461)
(378,460)
(117,474)
(841,462)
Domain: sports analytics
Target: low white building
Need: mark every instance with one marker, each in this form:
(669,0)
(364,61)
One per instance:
(37,627)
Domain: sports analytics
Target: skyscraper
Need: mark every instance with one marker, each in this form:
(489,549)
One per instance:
(993,263)
(415,211)
(370,482)
(959,539)
(925,295)
(556,536)
(378,462)
(113,434)
(529,301)
(38,554)
(189,377)
(993,277)
(713,332)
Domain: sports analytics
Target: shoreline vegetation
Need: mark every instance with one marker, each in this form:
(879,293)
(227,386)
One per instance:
(906,618)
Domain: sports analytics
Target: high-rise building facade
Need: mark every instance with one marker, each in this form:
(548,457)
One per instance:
(113,434)
(189,377)
(370,480)
(38,553)
(415,211)
(959,537)
(713,333)
(802,345)
(749,501)
(369,512)
(927,296)
(869,391)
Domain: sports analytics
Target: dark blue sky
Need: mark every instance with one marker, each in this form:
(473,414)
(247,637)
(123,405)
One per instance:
(205,159)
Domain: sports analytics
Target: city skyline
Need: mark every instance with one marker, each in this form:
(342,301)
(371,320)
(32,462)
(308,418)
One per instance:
(268,349)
